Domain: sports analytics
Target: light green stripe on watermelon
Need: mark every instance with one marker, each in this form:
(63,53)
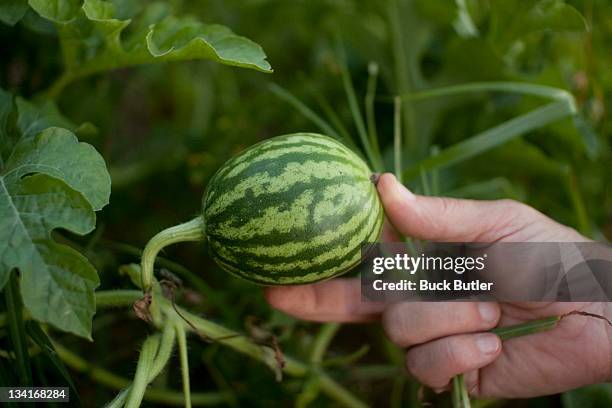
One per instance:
(276,154)
(290,249)
(264,183)
(353,242)
(302,141)
(296,139)
(271,221)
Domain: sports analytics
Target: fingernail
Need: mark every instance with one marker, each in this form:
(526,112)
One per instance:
(487,343)
(487,311)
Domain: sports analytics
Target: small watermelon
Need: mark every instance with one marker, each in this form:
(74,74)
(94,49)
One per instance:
(292,209)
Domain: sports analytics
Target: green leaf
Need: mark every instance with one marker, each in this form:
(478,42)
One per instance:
(105,37)
(52,181)
(103,13)
(57,282)
(186,38)
(59,11)
(590,140)
(58,153)
(11,11)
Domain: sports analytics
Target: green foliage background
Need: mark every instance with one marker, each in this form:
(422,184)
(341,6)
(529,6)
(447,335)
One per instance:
(164,123)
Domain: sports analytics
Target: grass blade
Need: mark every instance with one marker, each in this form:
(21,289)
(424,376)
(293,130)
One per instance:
(335,120)
(347,82)
(6,380)
(435,173)
(491,189)
(492,138)
(543,91)
(425,183)
(39,337)
(582,218)
(397,138)
(304,110)
(369,107)
(535,326)
(14,311)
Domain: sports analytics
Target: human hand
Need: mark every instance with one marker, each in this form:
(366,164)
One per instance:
(448,338)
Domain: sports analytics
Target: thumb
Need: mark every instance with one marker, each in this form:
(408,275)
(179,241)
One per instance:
(446,219)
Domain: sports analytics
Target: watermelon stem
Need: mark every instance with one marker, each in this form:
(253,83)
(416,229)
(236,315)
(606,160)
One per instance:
(189,231)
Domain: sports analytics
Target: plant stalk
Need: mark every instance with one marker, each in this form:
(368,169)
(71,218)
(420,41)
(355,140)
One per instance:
(189,231)
(322,341)
(141,378)
(109,379)
(182,347)
(237,341)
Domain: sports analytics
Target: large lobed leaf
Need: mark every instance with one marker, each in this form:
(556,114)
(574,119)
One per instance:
(51,181)
(57,153)
(102,35)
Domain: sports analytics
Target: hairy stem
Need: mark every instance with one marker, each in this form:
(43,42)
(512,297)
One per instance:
(189,231)
(141,378)
(109,379)
(161,359)
(182,347)
(237,341)
(116,298)
(264,354)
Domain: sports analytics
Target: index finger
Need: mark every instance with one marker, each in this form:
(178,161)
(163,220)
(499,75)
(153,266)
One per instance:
(336,300)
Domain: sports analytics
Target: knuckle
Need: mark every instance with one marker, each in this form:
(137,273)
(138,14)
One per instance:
(450,353)
(516,207)
(420,366)
(457,356)
(436,220)
(396,326)
(412,363)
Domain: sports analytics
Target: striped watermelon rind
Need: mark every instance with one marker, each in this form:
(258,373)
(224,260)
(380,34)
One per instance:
(293,209)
